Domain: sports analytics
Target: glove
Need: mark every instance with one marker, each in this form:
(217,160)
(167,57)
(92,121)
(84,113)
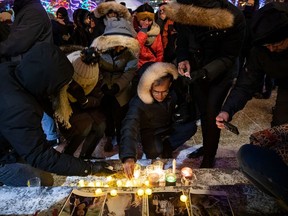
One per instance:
(101,168)
(91,102)
(89,56)
(77,92)
(198,74)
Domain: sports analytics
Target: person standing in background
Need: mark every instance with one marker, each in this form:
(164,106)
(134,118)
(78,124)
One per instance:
(208,55)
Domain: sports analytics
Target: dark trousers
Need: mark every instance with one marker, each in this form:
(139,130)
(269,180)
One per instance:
(265,169)
(209,98)
(88,128)
(114,115)
(154,143)
(280,113)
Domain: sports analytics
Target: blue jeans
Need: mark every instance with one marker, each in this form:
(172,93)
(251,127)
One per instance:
(265,169)
(49,128)
(17,174)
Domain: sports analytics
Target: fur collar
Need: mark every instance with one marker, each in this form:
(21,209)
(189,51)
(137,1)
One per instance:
(104,8)
(152,34)
(104,43)
(152,73)
(217,18)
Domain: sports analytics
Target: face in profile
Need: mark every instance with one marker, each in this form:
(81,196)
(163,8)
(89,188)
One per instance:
(277,47)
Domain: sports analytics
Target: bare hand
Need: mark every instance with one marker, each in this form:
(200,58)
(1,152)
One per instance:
(222,116)
(128,166)
(184,68)
(5,17)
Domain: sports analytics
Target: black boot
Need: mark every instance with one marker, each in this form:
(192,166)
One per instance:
(207,162)
(167,150)
(197,153)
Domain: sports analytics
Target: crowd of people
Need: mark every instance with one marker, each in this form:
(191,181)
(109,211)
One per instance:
(137,77)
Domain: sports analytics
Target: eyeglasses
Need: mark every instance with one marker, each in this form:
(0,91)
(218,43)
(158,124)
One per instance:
(157,93)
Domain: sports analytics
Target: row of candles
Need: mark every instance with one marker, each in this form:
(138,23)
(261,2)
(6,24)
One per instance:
(153,175)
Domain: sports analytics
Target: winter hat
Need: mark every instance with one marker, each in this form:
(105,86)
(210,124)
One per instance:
(270,24)
(200,13)
(152,71)
(105,7)
(145,11)
(86,71)
(118,32)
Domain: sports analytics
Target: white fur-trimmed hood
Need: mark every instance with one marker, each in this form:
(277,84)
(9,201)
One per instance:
(151,74)
(104,43)
(218,18)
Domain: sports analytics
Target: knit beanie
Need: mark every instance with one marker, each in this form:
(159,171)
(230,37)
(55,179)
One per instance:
(118,32)
(145,11)
(86,71)
(270,24)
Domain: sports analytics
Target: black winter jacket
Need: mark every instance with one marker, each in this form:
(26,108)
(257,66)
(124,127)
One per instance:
(43,72)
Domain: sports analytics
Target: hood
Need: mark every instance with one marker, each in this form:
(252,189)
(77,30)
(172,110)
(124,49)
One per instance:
(151,72)
(19,4)
(191,14)
(44,70)
(105,7)
(270,24)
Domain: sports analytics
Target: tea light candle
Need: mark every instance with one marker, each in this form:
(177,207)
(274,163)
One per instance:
(119,183)
(140,192)
(91,184)
(98,191)
(81,183)
(98,184)
(113,192)
(171,179)
(109,178)
(148,191)
(186,172)
(183,198)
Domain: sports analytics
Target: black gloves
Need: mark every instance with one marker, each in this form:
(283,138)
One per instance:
(198,74)
(77,92)
(90,103)
(101,168)
(89,56)
(113,91)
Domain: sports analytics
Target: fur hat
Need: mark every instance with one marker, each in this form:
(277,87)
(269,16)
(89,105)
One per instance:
(118,32)
(106,7)
(270,24)
(86,71)
(145,11)
(216,17)
(151,72)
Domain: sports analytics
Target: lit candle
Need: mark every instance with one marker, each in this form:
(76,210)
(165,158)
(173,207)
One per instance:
(81,183)
(183,198)
(119,183)
(153,179)
(148,191)
(98,191)
(140,192)
(174,166)
(113,192)
(109,178)
(186,172)
(146,182)
(171,179)
(98,184)
(91,184)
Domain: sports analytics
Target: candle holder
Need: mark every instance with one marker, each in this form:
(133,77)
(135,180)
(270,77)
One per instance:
(170,179)
(153,179)
(187,176)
